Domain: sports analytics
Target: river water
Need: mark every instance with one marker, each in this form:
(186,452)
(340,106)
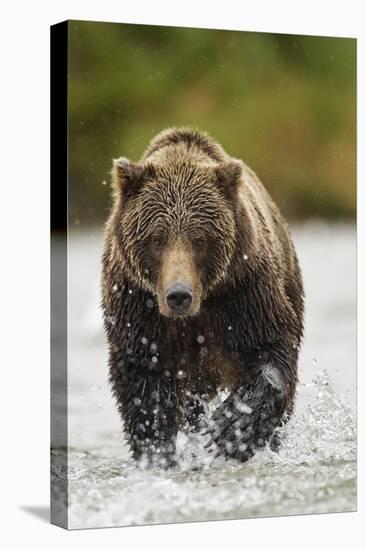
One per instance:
(315,470)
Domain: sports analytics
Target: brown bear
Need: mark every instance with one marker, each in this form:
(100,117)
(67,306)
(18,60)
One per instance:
(202,291)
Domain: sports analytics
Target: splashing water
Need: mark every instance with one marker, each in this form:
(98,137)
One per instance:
(313,472)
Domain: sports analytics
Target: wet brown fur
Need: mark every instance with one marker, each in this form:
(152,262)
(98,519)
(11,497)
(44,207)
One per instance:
(247,287)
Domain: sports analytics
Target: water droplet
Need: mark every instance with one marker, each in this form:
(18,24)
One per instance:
(200,339)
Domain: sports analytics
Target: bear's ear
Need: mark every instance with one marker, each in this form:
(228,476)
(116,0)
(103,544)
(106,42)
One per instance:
(228,176)
(128,177)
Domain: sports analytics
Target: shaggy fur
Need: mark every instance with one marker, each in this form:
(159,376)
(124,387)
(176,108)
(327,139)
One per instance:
(187,211)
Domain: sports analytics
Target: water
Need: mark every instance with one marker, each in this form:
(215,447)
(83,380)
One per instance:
(315,470)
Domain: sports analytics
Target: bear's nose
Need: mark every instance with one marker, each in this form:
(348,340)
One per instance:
(179,297)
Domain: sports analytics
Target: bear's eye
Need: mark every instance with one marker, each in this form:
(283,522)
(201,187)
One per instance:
(198,243)
(157,242)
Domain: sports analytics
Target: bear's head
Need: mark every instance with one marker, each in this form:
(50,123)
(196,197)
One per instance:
(174,222)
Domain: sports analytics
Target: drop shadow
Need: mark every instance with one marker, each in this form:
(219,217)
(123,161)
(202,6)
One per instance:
(40,512)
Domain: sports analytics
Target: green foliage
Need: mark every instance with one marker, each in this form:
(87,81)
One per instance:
(283,103)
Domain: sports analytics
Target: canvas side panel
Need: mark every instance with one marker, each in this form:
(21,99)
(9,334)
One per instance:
(59,485)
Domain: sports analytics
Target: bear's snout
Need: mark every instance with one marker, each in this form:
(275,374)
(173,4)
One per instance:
(179,298)
(179,288)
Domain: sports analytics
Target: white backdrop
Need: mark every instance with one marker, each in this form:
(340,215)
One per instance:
(24,218)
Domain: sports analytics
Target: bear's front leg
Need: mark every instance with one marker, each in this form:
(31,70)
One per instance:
(149,402)
(195,412)
(247,419)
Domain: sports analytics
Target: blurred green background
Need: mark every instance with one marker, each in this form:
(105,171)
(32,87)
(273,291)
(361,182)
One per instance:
(285,104)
